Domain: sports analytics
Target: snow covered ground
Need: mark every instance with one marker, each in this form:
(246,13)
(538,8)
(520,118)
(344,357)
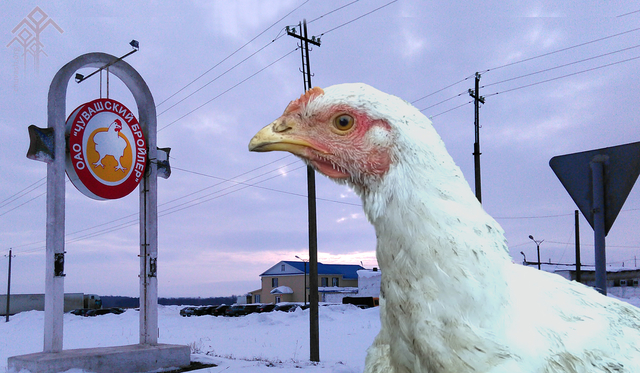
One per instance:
(274,342)
(266,342)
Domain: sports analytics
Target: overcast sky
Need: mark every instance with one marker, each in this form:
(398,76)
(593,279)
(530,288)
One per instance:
(566,75)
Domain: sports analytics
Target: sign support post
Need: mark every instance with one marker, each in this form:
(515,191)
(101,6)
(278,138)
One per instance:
(599,181)
(597,171)
(49,145)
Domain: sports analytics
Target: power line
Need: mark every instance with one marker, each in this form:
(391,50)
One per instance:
(531,217)
(216,78)
(359,17)
(452,109)
(515,78)
(136,214)
(232,54)
(274,190)
(234,86)
(442,89)
(564,65)
(244,60)
(443,101)
(333,11)
(525,75)
(564,76)
(335,28)
(24,203)
(562,50)
(23,192)
(626,14)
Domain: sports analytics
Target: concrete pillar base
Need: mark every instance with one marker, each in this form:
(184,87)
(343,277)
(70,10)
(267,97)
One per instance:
(124,359)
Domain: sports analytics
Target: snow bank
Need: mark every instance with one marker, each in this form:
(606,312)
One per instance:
(251,343)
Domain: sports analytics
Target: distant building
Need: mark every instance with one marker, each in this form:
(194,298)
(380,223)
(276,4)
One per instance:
(621,281)
(285,282)
(369,283)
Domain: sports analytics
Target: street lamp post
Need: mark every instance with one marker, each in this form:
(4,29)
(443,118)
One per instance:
(537,247)
(524,260)
(305,279)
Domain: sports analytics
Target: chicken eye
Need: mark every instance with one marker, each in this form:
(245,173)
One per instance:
(343,122)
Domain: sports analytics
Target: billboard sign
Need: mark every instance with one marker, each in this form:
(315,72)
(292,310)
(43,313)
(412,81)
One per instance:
(107,152)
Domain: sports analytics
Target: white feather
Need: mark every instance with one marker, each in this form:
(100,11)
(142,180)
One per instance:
(451,298)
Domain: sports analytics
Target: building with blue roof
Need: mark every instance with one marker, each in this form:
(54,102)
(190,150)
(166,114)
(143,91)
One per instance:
(285,282)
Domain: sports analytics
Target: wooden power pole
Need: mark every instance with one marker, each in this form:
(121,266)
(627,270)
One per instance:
(476,146)
(8,287)
(314,334)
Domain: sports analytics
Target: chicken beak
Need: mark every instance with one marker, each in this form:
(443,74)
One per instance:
(278,136)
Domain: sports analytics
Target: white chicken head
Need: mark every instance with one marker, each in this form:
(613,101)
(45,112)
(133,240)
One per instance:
(117,125)
(340,132)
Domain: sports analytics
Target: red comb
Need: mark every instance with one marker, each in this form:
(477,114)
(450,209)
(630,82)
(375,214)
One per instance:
(304,99)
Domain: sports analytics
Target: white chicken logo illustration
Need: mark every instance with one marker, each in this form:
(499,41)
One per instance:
(110,143)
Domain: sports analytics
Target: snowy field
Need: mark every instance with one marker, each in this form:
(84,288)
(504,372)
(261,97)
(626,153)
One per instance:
(275,342)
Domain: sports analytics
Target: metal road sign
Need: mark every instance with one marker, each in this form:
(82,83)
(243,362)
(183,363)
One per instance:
(599,182)
(621,169)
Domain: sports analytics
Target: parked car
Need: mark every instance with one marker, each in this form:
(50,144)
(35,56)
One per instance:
(289,307)
(187,311)
(209,310)
(251,308)
(235,310)
(104,311)
(80,311)
(202,310)
(266,307)
(220,310)
(241,309)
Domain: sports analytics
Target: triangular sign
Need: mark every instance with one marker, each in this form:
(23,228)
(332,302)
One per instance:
(621,169)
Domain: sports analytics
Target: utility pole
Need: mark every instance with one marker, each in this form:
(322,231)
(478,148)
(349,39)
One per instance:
(578,274)
(8,287)
(314,333)
(476,146)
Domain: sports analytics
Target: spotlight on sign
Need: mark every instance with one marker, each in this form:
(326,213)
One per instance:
(164,168)
(41,144)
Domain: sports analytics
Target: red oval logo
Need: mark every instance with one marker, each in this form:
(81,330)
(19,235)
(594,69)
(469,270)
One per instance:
(107,149)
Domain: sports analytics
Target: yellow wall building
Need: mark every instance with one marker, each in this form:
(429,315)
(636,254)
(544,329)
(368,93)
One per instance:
(285,281)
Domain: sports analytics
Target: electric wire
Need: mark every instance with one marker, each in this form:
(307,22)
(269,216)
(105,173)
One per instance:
(563,76)
(24,203)
(277,190)
(445,100)
(626,14)
(344,24)
(333,11)
(216,78)
(244,60)
(191,94)
(359,17)
(517,77)
(198,191)
(184,206)
(452,109)
(224,181)
(229,89)
(24,191)
(561,66)
(442,89)
(232,54)
(137,214)
(561,50)
(539,82)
